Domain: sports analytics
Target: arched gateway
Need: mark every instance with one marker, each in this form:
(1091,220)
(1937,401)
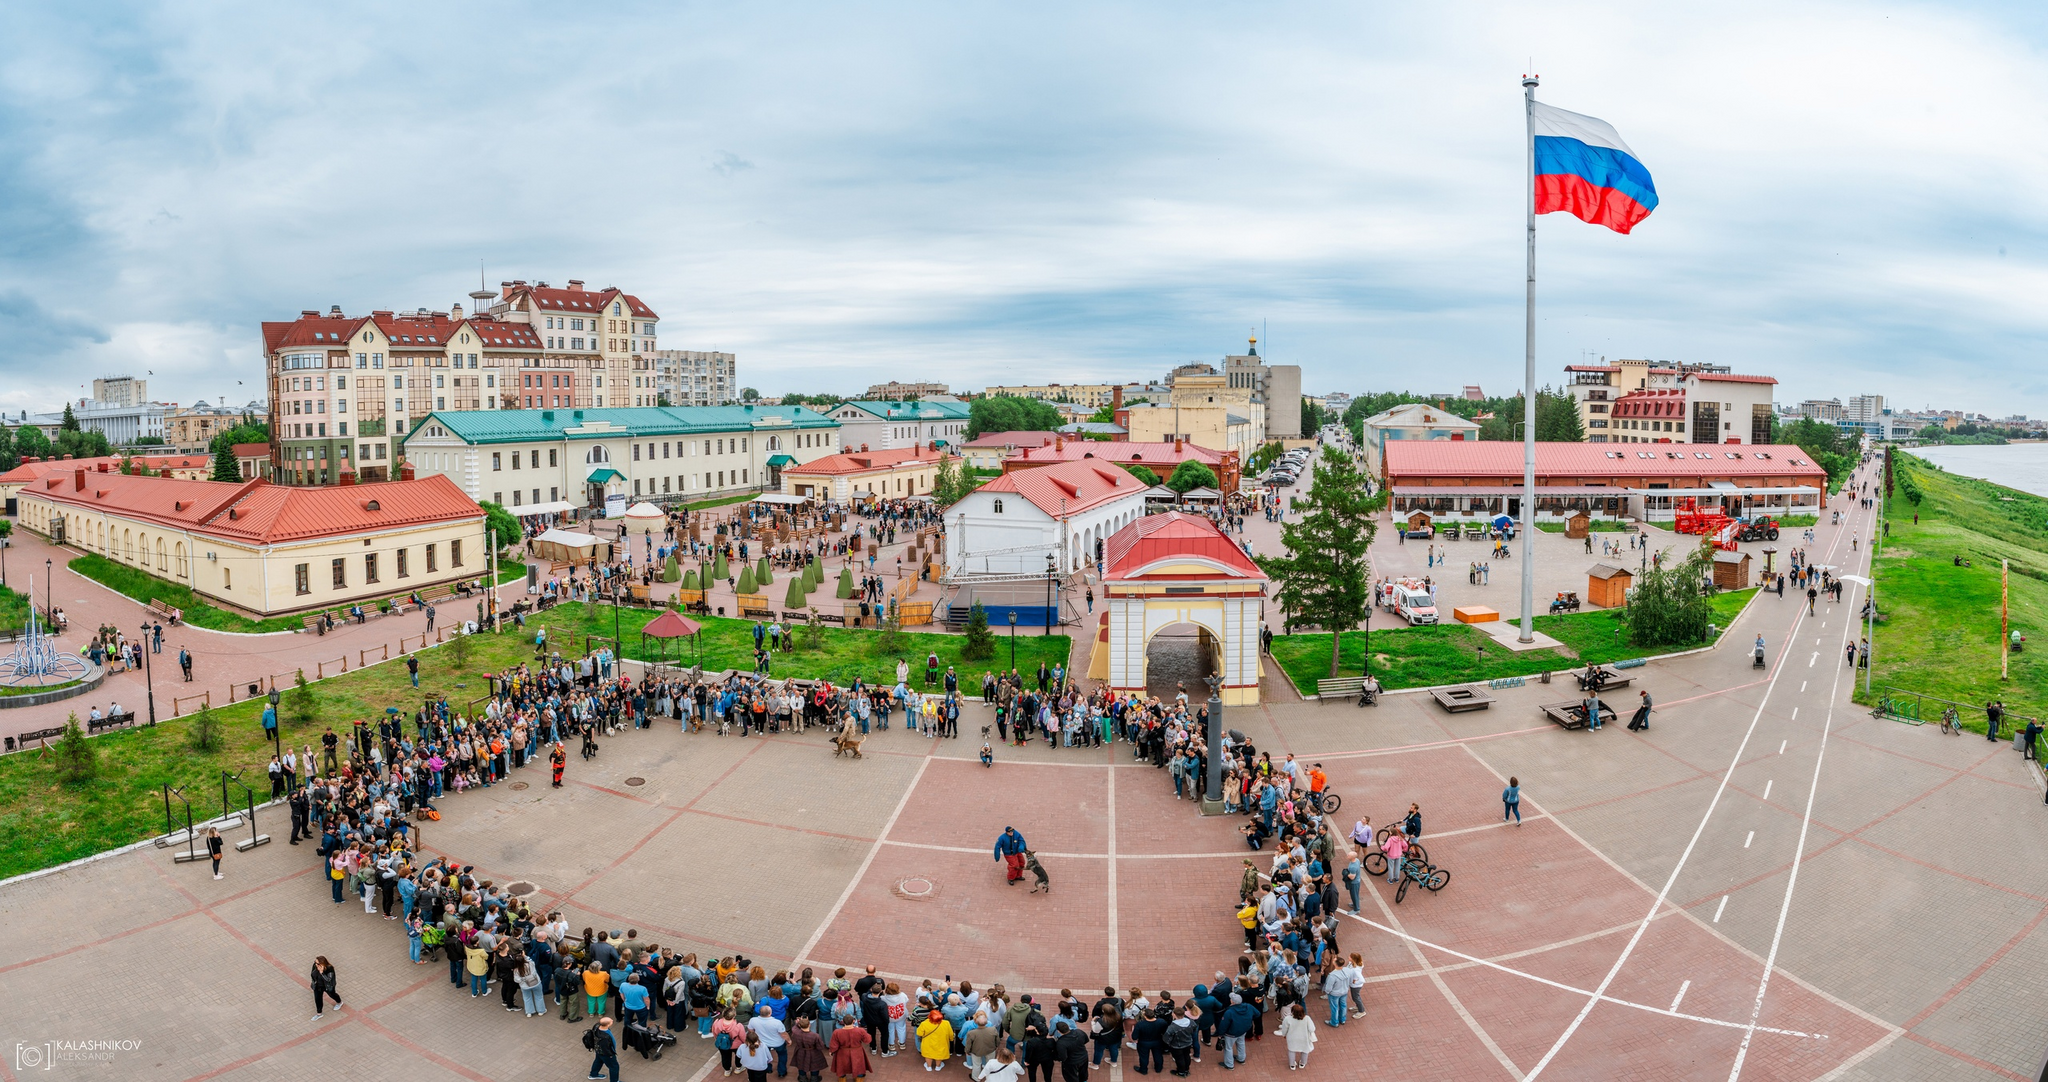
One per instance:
(1170,569)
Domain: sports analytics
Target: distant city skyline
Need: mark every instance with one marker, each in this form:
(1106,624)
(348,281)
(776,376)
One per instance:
(979,196)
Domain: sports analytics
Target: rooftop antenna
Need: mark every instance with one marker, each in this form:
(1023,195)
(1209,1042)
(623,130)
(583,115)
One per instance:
(483,296)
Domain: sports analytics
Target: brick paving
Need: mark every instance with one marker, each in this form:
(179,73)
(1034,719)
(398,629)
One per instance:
(1911,947)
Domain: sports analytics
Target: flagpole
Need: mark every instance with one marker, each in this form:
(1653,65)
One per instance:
(1529,376)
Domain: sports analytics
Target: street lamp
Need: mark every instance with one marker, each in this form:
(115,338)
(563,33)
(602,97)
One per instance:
(1013,639)
(1050,600)
(270,721)
(4,543)
(148,676)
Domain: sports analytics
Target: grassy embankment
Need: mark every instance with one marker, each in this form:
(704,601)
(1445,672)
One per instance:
(45,822)
(145,587)
(1941,631)
(1453,653)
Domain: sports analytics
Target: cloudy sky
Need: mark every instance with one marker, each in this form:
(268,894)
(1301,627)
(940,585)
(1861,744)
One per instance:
(976,192)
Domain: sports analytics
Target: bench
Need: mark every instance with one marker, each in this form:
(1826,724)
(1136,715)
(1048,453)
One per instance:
(1339,687)
(796,617)
(1459,700)
(167,612)
(37,735)
(759,614)
(111,721)
(828,618)
(1572,715)
(1614,683)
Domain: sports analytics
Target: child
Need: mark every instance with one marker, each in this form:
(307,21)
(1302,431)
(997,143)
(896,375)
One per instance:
(988,755)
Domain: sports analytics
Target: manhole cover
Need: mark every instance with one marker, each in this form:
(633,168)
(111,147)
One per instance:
(917,888)
(520,888)
(518,785)
(636,781)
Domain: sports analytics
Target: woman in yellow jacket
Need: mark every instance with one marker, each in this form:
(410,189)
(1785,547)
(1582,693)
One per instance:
(479,969)
(935,1041)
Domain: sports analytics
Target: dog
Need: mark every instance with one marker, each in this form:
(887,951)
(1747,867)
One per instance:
(1031,864)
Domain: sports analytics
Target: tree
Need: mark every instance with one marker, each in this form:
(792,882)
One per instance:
(1322,579)
(748,394)
(1191,475)
(1104,416)
(458,647)
(1557,418)
(661,399)
(1007,413)
(8,459)
(70,423)
(1667,606)
(225,466)
(981,642)
(1144,474)
(503,527)
(299,700)
(77,761)
(1264,457)
(31,442)
(948,485)
(204,733)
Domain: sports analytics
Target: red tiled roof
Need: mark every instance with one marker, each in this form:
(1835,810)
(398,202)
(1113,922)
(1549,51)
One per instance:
(322,332)
(1717,377)
(1173,535)
(252,450)
(31,472)
(1012,439)
(1494,459)
(582,301)
(412,331)
(504,334)
(1120,451)
(258,512)
(1080,484)
(858,462)
(1661,403)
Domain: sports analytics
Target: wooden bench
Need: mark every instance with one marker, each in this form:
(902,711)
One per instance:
(1572,715)
(1614,683)
(1459,700)
(111,721)
(37,735)
(1339,687)
(167,612)
(829,618)
(796,617)
(760,614)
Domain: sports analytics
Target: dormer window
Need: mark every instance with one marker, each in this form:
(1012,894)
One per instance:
(999,507)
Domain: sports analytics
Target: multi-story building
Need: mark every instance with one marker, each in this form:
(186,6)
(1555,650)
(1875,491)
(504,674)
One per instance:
(1823,409)
(192,430)
(1718,405)
(120,391)
(587,457)
(123,426)
(895,390)
(1865,408)
(689,377)
(1275,389)
(1410,421)
(345,390)
(892,424)
(1092,395)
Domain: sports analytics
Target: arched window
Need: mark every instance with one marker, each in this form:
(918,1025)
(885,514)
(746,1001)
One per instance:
(775,443)
(162,563)
(597,455)
(181,559)
(999,507)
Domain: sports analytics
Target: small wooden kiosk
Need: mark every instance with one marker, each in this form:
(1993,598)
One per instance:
(1607,585)
(1576,526)
(1731,570)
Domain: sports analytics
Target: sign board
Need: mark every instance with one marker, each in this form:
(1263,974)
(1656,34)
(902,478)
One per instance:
(615,505)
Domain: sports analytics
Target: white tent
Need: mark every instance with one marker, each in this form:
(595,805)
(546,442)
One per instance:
(564,545)
(781,498)
(553,507)
(644,518)
(1203,493)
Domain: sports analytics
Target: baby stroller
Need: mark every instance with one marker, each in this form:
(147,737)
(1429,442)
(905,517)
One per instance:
(648,1040)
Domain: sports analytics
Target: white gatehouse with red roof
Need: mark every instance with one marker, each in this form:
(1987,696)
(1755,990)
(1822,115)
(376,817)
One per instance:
(1167,570)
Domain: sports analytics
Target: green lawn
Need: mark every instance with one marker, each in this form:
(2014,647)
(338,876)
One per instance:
(1598,525)
(1453,653)
(1941,631)
(145,587)
(720,501)
(13,610)
(44,822)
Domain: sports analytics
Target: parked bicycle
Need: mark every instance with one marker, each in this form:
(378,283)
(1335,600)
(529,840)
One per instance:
(1419,871)
(1951,722)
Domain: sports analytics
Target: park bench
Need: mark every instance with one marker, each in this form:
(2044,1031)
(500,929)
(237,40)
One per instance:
(1572,715)
(111,721)
(37,735)
(1339,687)
(829,618)
(167,612)
(796,617)
(1459,700)
(760,614)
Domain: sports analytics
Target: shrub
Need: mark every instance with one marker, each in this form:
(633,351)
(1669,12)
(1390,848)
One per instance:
(77,761)
(1667,607)
(746,580)
(981,642)
(845,591)
(764,574)
(204,733)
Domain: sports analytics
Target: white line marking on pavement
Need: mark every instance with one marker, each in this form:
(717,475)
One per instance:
(1767,788)
(1792,880)
(860,872)
(1719,908)
(1814,658)
(1781,745)
(1670,881)
(1802,687)
(1795,713)
(1115,975)
(1681,994)
(1428,967)
(1751,838)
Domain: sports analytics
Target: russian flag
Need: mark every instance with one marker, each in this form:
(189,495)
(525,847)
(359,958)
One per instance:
(1584,169)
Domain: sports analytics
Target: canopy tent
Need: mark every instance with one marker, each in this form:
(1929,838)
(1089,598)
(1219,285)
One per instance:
(566,546)
(552,507)
(1202,493)
(644,518)
(669,625)
(781,498)
(1161,492)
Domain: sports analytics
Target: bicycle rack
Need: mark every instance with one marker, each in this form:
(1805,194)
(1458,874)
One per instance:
(249,802)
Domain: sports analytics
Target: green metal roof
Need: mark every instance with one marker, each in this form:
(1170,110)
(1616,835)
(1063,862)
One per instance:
(603,474)
(912,410)
(782,460)
(528,426)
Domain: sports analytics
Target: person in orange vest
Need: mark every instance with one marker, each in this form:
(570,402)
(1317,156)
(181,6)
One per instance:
(1317,781)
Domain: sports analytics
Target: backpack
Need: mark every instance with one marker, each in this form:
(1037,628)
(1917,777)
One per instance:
(590,1038)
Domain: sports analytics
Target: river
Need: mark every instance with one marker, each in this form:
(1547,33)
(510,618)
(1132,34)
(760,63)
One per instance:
(2023,466)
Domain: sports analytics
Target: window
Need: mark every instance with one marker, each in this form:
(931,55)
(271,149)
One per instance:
(402,570)
(340,574)
(636,452)
(227,578)
(515,460)
(999,507)
(432,566)
(303,576)
(369,567)
(535,463)
(551,456)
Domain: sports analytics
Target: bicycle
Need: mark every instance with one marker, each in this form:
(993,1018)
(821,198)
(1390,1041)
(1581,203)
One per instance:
(1427,875)
(1327,802)
(1951,722)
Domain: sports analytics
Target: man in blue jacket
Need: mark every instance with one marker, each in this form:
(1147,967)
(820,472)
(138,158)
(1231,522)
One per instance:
(1235,1024)
(1010,850)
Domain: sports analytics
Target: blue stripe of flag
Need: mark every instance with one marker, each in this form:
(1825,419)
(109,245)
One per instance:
(1602,167)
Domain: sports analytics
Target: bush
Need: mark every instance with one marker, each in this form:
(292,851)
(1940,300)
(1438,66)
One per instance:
(981,642)
(204,733)
(299,700)
(794,599)
(1144,475)
(1667,607)
(77,761)
(746,580)
(845,591)
(764,574)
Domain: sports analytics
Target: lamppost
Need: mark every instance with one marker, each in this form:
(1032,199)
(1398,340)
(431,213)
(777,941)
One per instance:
(1013,639)
(4,543)
(270,722)
(148,676)
(1050,600)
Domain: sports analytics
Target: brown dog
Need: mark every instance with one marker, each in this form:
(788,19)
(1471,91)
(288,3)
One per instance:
(1031,864)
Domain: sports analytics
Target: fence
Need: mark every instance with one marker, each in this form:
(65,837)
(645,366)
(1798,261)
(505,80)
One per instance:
(1917,708)
(320,667)
(363,656)
(204,698)
(914,613)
